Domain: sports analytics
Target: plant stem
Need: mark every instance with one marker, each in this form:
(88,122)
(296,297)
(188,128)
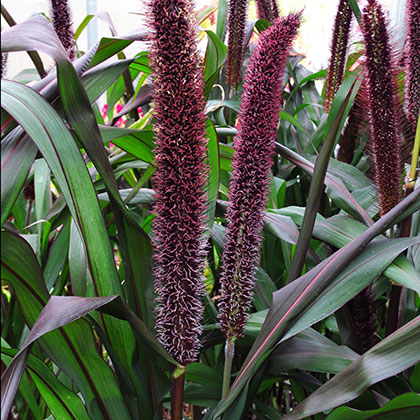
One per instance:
(177,397)
(36,59)
(415,154)
(229,353)
(197,413)
(356,11)
(393,318)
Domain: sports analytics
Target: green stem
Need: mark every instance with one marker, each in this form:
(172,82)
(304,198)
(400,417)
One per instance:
(36,59)
(415,154)
(229,353)
(356,11)
(177,396)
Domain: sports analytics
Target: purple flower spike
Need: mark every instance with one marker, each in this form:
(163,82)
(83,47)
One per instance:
(236,36)
(254,144)
(412,62)
(180,176)
(338,51)
(382,106)
(61,20)
(267,9)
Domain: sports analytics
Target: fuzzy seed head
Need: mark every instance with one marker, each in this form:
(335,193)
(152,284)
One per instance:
(382,106)
(180,176)
(3,63)
(61,20)
(254,144)
(338,51)
(236,37)
(267,9)
(412,62)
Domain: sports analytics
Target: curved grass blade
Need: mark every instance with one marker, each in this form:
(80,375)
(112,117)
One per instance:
(213,61)
(336,189)
(406,406)
(72,347)
(17,155)
(312,282)
(310,350)
(62,402)
(22,38)
(60,311)
(143,97)
(62,155)
(335,186)
(213,158)
(33,34)
(98,79)
(138,143)
(394,354)
(339,230)
(334,123)
(134,244)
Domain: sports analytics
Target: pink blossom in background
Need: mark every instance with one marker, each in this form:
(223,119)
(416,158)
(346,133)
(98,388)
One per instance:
(104,111)
(117,108)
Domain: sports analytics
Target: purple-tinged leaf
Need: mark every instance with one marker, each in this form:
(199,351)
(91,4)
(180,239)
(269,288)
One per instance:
(310,350)
(335,187)
(303,291)
(142,98)
(60,311)
(72,347)
(17,155)
(394,354)
(63,403)
(406,406)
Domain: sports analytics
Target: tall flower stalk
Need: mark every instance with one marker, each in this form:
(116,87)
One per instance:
(254,144)
(382,106)
(236,37)
(179,180)
(338,51)
(267,9)
(412,62)
(61,20)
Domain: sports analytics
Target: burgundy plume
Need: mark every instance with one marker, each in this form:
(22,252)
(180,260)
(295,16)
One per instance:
(61,20)
(267,9)
(339,44)
(236,37)
(382,106)
(180,176)
(254,144)
(412,62)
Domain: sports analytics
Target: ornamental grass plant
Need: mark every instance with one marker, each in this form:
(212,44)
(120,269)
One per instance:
(210,233)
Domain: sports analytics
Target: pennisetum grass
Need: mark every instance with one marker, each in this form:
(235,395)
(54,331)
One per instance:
(179,182)
(382,105)
(267,9)
(412,62)
(254,144)
(236,36)
(61,20)
(339,44)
